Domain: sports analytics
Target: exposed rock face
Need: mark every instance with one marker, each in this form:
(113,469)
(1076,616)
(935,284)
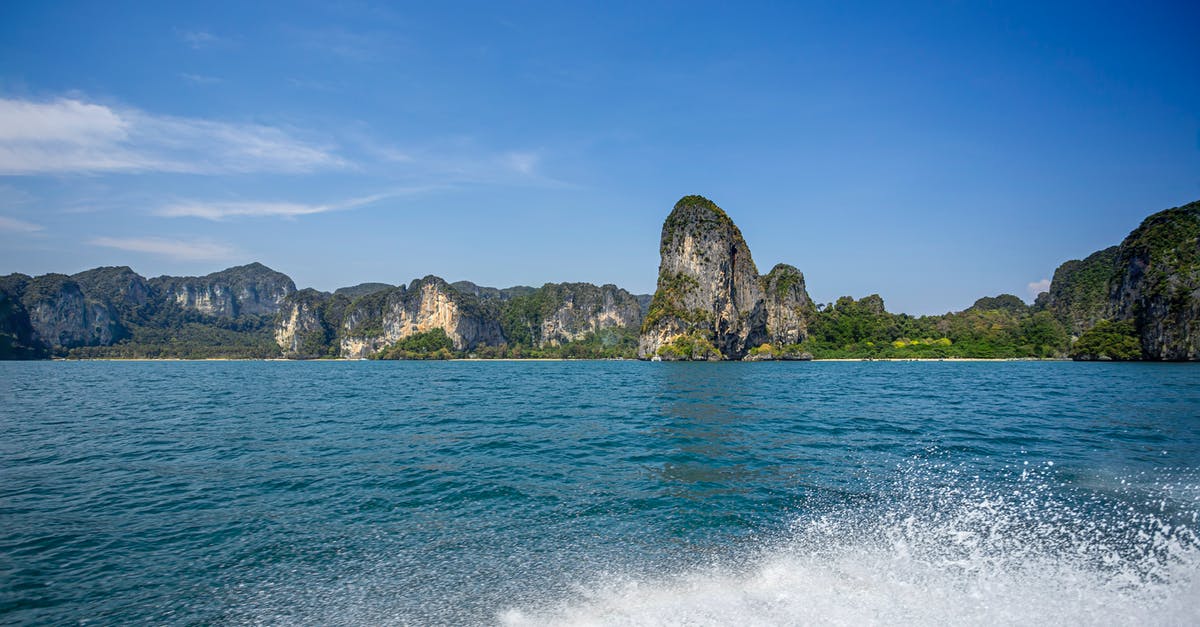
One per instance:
(1078,295)
(61,315)
(382,318)
(788,305)
(1157,284)
(708,284)
(307,323)
(252,289)
(572,311)
(17,339)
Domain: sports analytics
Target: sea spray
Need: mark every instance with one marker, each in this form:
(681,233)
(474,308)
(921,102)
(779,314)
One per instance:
(938,545)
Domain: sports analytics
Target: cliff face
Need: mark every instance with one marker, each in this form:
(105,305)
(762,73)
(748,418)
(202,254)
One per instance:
(1078,294)
(61,315)
(708,286)
(17,339)
(788,305)
(307,323)
(1157,283)
(584,308)
(252,289)
(557,313)
(385,317)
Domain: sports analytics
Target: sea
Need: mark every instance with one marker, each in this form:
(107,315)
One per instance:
(599,493)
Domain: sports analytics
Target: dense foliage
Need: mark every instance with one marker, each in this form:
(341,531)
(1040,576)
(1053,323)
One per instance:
(1108,340)
(432,344)
(610,343)
(691,347)
(993,328)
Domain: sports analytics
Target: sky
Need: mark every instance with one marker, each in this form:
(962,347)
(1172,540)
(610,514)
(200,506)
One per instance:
(932,153)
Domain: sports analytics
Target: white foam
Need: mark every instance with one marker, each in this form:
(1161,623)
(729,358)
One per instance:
(954,554)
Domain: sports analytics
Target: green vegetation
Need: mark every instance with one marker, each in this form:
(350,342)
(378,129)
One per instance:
(668,301)
(432,344)
(781,280)
(1078,294)
(174,333)
(1108,340)
(993,328)
(610,343)
(693,346)
(522,316)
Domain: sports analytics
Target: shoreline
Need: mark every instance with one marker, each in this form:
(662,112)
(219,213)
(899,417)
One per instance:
(512,359)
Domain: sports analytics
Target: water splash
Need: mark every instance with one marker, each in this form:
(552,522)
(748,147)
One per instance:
(942,547)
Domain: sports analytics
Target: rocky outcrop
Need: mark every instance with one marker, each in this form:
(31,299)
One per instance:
(308,322)
(1157,283)
(1078,294)
(491,293)
(584,309)
(362,289)
(788,306)
(558,313)
(382,318)
(17,339)
(708,289)
(253,289)
(62,316)
(119,286)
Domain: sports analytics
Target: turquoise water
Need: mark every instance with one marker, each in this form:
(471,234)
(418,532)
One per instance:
(368,493)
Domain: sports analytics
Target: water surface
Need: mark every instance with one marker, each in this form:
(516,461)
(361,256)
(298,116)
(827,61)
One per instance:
(367,493)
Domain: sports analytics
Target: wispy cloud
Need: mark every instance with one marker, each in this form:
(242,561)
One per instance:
(1037,287)
(180,250)
(217,211)
(72,136)
(199,39)
(13,225)
(342,43)
(200,79)
(451,161)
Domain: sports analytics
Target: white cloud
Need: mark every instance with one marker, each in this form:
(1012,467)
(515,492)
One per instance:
(71,136)
(13,225)
(181,250)
(200,79)
(1037,287)
(522,162)
(217,211)
(198,39)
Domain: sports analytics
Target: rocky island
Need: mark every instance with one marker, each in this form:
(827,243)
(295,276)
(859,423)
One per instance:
(1137,300)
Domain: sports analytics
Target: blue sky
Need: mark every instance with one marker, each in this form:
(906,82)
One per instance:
(931,153)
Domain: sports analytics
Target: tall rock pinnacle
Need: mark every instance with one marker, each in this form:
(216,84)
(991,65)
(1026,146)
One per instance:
(709,302)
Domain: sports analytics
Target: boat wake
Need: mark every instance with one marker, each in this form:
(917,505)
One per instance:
(943,547)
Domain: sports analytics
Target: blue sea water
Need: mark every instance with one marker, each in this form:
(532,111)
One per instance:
(526,493)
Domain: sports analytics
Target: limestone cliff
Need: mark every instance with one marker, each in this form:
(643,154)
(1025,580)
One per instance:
(17,339)
(1157,283)
(253,289)
(307,324)
(788,306)
(557,313)
(382,318)
(1078,294)
(61,315)
(708,291)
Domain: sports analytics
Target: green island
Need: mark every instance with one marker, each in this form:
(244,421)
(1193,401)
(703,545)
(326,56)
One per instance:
(1133,301)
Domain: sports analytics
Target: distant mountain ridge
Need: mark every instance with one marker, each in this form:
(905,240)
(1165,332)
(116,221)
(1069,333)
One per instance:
(1137,300)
